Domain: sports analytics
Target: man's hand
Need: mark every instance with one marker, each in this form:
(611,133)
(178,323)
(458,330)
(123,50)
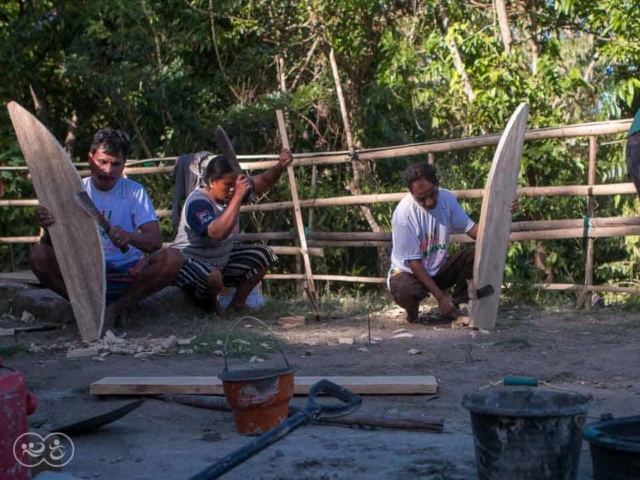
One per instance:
(242,186)
(446,306)
(44,217)
(119,237)
(286,157)
(514,206)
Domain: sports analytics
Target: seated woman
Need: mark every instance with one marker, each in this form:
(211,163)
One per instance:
(210,219)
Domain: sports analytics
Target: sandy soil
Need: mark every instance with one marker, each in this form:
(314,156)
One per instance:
(590,352)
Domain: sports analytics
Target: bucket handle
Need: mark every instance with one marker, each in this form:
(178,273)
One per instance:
(226,340)
(522,382)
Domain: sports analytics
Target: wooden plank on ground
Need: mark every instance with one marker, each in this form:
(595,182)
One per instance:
(378,385)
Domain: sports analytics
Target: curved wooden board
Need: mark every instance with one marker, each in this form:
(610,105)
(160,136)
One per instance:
(75,235)
(495,220)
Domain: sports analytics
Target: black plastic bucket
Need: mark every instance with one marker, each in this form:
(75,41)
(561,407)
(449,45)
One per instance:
(615,448)
(527,434)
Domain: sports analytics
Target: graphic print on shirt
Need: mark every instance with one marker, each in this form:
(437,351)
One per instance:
(204,216)
(433,245)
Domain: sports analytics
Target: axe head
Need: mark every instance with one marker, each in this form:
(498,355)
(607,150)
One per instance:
(226,148)
(485,291)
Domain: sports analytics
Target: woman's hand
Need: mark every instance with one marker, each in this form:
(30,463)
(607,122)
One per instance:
(286,157)
(242,186)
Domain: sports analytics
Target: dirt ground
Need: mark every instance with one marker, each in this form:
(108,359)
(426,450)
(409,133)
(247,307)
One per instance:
(592,352)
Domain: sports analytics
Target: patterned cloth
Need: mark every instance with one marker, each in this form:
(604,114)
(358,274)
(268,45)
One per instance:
(245,261)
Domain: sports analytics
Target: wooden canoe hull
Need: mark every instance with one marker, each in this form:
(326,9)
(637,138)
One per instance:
(75,236)
(495,221)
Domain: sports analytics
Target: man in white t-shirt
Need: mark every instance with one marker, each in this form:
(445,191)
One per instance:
(421,227)
(131,276)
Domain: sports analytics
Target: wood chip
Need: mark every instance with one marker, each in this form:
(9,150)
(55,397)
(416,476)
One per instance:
(403,335)
(400,330)
(413,351)
(186,341)
(170,342)
(143,355)
(292,322)
(363,349)
(27,317)
(7,332)
(83,352)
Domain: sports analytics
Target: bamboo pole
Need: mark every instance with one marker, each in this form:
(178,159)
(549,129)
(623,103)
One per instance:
(568,287)
(530,230)
(280,250)
(559,234)
(327,158)
(314,181)
(266,236)
(562,190)
(591,180)
(540,286)
(329,278)
(348,243)
(19,239)
(597,222)
(298,216)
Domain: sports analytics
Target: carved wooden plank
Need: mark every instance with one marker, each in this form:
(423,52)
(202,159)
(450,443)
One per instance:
(75,236)
(495,220)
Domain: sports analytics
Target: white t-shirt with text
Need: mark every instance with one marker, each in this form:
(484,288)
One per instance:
(422,234)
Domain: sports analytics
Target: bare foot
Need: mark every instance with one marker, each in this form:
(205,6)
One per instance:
(412,314)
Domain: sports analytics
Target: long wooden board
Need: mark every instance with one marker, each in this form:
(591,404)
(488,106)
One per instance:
(495,220)
(386,385)
(75,235)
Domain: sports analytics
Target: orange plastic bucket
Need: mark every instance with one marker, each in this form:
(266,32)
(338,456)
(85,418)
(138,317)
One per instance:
(259,397)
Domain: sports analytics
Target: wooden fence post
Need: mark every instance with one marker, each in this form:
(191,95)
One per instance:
(588,276)
(298,216)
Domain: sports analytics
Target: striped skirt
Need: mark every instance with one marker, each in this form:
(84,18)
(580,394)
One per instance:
(245,261)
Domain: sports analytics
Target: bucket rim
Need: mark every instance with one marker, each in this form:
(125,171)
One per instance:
(595,436)
(579,409)
(250,374)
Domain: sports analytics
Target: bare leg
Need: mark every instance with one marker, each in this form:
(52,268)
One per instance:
(157,274)
(216,285)
(243,291)
(45,267)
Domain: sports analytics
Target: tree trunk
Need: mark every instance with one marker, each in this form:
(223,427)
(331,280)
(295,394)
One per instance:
(533,32)
(455,53)
(39,102)
(503,21)
(355,187)
(72,134)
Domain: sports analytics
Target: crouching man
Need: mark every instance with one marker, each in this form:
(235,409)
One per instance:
(421,227)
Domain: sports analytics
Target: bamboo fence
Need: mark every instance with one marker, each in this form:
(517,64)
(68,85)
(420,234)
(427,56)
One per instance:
(587,228)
